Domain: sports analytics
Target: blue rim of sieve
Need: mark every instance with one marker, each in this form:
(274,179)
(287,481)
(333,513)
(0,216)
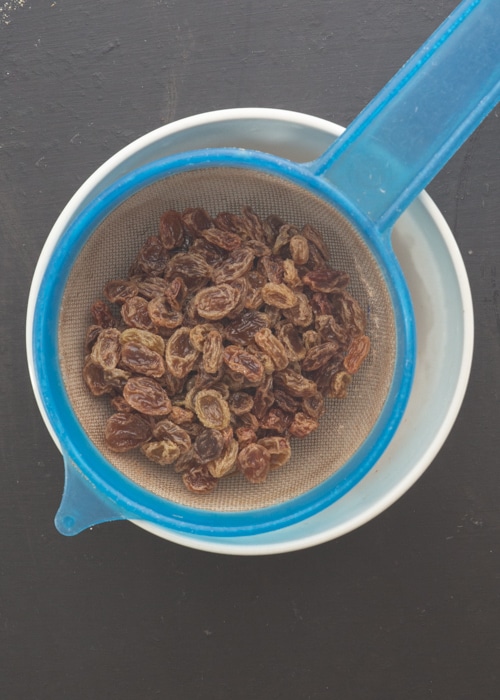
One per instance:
(125,497)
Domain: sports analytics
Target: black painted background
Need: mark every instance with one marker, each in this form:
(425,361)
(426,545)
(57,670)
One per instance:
(407,607)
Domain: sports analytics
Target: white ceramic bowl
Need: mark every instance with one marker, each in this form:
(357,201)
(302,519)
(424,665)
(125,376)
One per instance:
(438,284)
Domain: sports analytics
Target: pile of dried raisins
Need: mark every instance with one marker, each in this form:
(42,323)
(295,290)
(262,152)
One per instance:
(233,331)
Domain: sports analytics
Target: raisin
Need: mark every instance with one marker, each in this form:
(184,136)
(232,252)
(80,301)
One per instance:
(138,358)
(180,356)
(279,295)
(222,239)
(272,225)
(106,350)
(240,402)
(258,248)
(237,264)
(286,402)
(161,451)
(93,376)
(145,395)
(316,239)
(171,229)
(270,344)
(191,268)
(299,250)
(254,462)
(198,479)
(264,398)
(226,463)
(198,334)
(119,290)
(273,315)
(119,404)
(163,315)
(323,376)
(301,314)
(319,355)
(263,358)
(101,313)
(209,445)
(194,429)
(175,293)
(116,377)
(256,279)
(294,383)
(244,363)
(152,257)
(279,450)
(302,425)
(254,298)
(212,352)
(214,303)
(146,338)
(227,221)
(326,280)
(186,461)
(310,339)
(207,251)
(351,314)
(241,287)
(248,420)
(314,405)
(277,420)
(167,430)
(125,431)
(245,436)
(234,381)
(151,287)
(211,409)
(181,416)
(291,341)
(135,313)
(173,385)
(358,350)
(251,224)
(272,268)
(222,388)
(316,260)
(321,304)
(291,275)
(91,336)
(196,220)
(242,330)
(283,238)
(330,330)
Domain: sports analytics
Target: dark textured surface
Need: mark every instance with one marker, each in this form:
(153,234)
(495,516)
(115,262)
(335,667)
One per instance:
(408,606)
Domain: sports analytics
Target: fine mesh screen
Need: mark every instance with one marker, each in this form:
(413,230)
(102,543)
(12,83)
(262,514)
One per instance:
(108,254)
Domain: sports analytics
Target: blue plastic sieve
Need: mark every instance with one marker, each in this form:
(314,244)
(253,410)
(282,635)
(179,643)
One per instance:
(370,174)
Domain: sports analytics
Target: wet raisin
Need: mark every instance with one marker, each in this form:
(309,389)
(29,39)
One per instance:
(139,358)
(106,350)
(125,431)
(209,445)
(171,229)
(254,461)
(145,395)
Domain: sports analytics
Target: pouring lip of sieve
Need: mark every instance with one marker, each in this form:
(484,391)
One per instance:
(131,499)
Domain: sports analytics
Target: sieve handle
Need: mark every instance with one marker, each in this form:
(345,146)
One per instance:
(404,137)
(81,505)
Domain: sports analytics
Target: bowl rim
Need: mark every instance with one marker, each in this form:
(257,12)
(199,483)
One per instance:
(227,545)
